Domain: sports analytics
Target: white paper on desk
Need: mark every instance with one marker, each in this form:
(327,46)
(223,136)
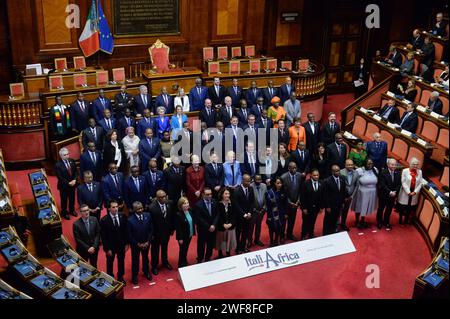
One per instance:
(390,94)
(445,211)
(405,132)
(422,142)
(377,117)
(349,135)
(358,83)
(391,125)
(362,109)
(406,101)
(440,200)
(36,66)
(421,108)
(46,70)
(432,191)
(3,203)
(435,115)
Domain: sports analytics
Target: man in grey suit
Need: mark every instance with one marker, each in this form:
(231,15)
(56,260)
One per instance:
(293,109)
(351,178)
(260,190)
(292,181)
(86,231)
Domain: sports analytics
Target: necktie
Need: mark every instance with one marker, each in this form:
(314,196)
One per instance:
(87,226)
(128,121)
(339,149)
(404,119)
(103,102)
(271,92)
(254,92)
(164,211)
(136,182)
(244,112)
(176,170)
(392,176)
(154,178)
(293,179)
(82,106)
(229,111)
(260,109)
(302,156)
(94,132)
(116,221)
(349,178)
(150,143)
(246,192)
(108,122)
(337,183)
(387,112)
(215,168)
(182,101)
(144,97)
(217,91)
(208,111)
(265,122)
(315,186)
(258,192)
(140,218)
(116,181)
(252,164)
(123,96)
(69,170)
(165,100)
(312,127)
(90,187)
(199,90)
(235,90)
(332,126)
(208,205)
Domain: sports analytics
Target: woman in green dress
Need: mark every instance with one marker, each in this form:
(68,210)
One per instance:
(358,154)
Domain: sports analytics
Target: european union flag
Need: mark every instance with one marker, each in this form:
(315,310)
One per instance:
(105,35)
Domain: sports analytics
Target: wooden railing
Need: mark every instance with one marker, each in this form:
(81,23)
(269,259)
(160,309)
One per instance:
(20,113)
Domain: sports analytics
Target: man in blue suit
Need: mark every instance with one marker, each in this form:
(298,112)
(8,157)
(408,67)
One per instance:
(165,100)
(112,185)
(268,93)
(91,160)
(142,101)
(100,104)
(259,107)
(410,120)
(285,90)
(236,93)
(337,152)
(302,158)
(90,193)
(243,113)
(208,114)
(214,175)
(149,147)
(252,94)
(377,151)
(135,188)
(107,122)
(140,232)
(126,121)
(197,95)
(154,179)
(250,166)
(93,133)
(145,123)
(79,113)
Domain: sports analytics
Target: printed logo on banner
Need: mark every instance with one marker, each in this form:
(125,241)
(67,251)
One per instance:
(268,260)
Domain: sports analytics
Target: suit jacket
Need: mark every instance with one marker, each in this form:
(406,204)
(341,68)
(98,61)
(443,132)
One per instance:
(213,179)
(291,189)
(417,43)
(228,174)
(410,123)
(162,125)
(114,238)
(140,231)
(260,123)
(396,59)
(183,101)
(309,198)
(105,127)
(327,134)
(109,153)
(197,101)
(428,52)
(132,194)
(377,154)
(244,204)
(86,164)
(283,136)
(202,218)
(98,108)
(182,226)
(98,138)
(93,199)
(121,103)
(267,96)
(122,125)
(153,187)
(63,174)
(437,108)
(159,101)
(293,110)
(312,139)
(285,92)
(227,217)
(246,167)
(388,185)
(225,116)
(144,124)
(394,116)
(334,157)
(211,119)
(174,183)
(236,98)
(259,205)
(242,118)
(163,226)
(217,99)
(139,105)
(251,97)
(111,190)
(148,151)
(255,110)
(83,239)
(78,117)
(350,184)
(334,196)
(303,165)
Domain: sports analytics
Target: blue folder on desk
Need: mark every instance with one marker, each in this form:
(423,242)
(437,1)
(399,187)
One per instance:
(37,177)
(66,260)
(433,279)
(45,213)
(446,246)
(25,268)
(64,293)
(442,263)
(101,285)
(40,188)
(43,201)
(4,237)
(44,282)
(12,252)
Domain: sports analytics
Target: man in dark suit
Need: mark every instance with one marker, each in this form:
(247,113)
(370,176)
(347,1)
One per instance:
(86,232)
(258,108)
(226,112)
(329,129)
(154,179)
(90,194)
(66,172)
(252,94)
(108,123)
(390,112)
(208,114)
(93,133)
(250,165)
(351,178)
(60,119)
(206,218)
(243,113)
(217,93)
(135,188)
(236,93)
(143,100)
(283,133)
(337,151)
(334,196)
(312,130)
(377,151)
(394,57)
(259,190)
(264,121)
(410,119)
(311,202)
(80,111)
(149,147)
(435,103)
(285,90)
(122,101)
(269,92)
(251,128)
(198,95)
(113,230)
(100,104)
(292,181)
(163,216)
(127,120)
(214,175)
(165,100)
(302,158)
(147,122)
(91,160)
(175,178)
(417,40)
(244,198)
(390,180)
(112,185)
(140,233)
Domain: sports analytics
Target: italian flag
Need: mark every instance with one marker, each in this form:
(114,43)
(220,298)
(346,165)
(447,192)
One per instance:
(89,39)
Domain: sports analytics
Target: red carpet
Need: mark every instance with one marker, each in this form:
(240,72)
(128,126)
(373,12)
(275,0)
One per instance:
(400,254)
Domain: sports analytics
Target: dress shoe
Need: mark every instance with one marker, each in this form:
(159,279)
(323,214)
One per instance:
(149,277)
(74,214)
(168,266)
(259,243)
(246,250)
(379,225)
(292,237)
(155,271)
(228,254)
(122,281)
(67,217)
(388,227)
(360,225)
(135,281)
(344,228)
(365,225)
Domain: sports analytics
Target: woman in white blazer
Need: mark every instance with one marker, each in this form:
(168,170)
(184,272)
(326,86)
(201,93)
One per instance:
(182,100)
(410,190)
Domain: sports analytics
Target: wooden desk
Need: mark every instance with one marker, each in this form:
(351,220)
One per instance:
(184,78)
(36,83)
(245,79)
(245,63)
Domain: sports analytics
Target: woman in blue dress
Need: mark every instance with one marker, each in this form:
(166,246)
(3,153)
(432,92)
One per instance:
(276,212)
(177,120)
(162,122)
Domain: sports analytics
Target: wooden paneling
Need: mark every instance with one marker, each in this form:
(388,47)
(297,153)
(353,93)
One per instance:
(228,21)
(5,53)
(289,34)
